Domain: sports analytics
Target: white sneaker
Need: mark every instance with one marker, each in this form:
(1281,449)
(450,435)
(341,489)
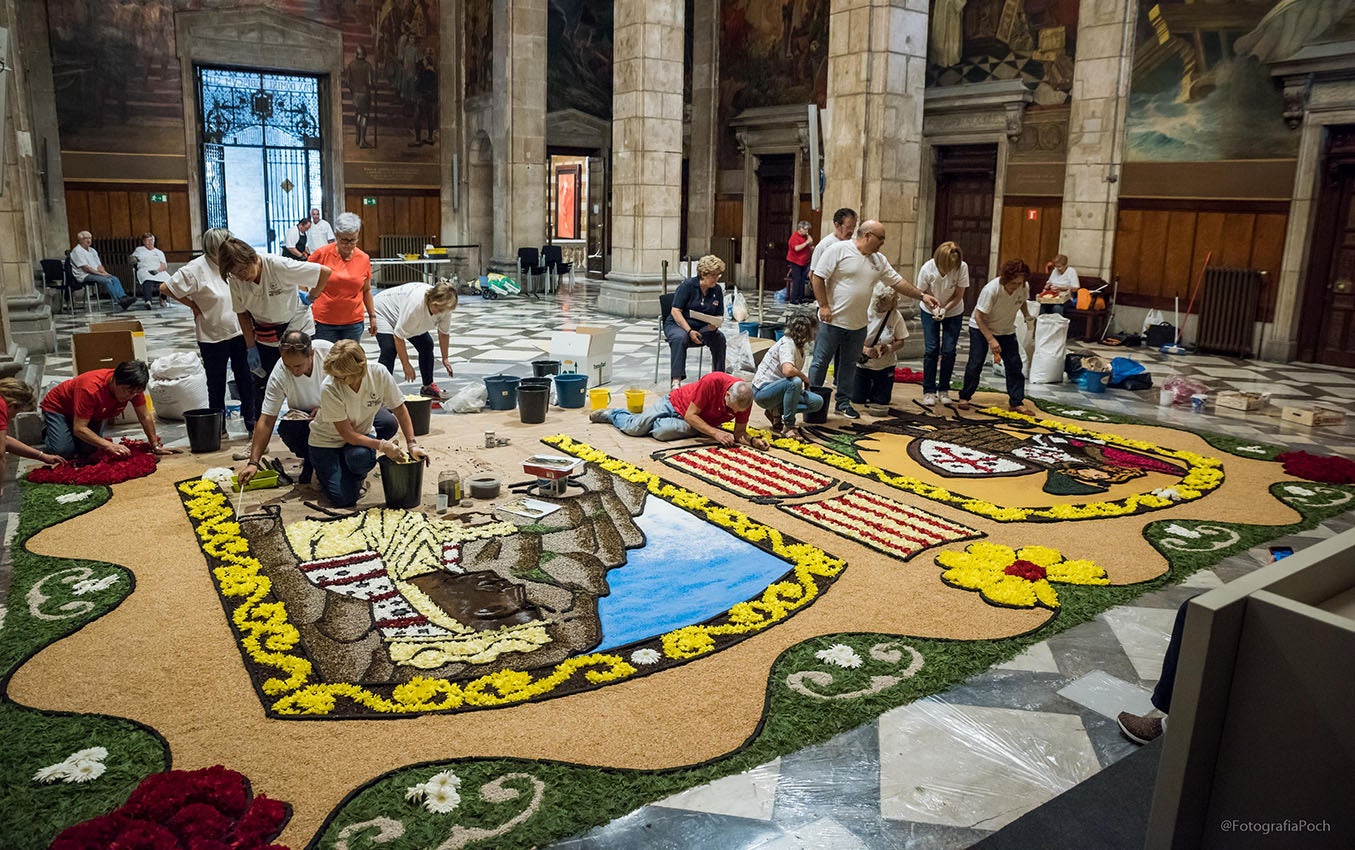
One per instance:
(943,398)
(677,382)
(929,400)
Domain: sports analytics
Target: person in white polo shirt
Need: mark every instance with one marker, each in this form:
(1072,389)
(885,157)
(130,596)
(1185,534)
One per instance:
(320,234)
(992,333)
(945,276)
(266,297)
(86,266)
(409,313)
(343,446)
(844,280)
(297,380)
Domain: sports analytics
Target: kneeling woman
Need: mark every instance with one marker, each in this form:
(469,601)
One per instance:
(342,446)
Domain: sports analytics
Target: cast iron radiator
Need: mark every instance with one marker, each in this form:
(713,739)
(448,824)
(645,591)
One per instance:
(116,254)
(1229,306)
(394,246)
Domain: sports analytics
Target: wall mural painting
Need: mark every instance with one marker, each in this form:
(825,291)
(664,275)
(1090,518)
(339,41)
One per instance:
(980,41)
(1202,88)
(479,47)
(579,63)
(118,87)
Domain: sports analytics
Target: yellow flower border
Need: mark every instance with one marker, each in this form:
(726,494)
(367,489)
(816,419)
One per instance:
(1203,475)
(269,639)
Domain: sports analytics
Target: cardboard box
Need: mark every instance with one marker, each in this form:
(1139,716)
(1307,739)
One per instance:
(1242,400)
(1312,416)
(105,346)
(585,351)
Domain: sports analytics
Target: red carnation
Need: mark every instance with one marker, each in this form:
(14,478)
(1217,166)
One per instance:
(1328,469)
(198,820)
(1026,570)
(104,468)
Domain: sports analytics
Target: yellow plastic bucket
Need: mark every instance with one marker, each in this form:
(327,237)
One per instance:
(599,397)
(635,401)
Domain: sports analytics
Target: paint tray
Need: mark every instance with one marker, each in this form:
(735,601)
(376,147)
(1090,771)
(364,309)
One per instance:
(264,479)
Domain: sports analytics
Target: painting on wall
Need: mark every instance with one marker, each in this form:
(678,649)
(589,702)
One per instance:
(1201,88)
(979,41)
(579,57)
(567,202)
(479,47)
(124,94)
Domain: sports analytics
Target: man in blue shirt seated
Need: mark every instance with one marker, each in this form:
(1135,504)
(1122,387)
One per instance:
(698,302)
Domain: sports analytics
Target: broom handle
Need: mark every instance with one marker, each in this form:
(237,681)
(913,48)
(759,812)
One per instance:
(1180,331)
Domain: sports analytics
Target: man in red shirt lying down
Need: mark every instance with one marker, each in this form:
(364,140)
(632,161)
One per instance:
(691,410)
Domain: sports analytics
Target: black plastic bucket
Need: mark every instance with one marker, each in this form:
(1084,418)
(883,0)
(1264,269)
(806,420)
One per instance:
(542,368)
(535,382)
(402,482)
(204,427)
(532,403)
(820,416)
(767,330)
(420,414)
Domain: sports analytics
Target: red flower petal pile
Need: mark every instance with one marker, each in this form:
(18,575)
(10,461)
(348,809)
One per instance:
(208,809)
(904,375)
(1026,570)
(105,468)
(1328,469)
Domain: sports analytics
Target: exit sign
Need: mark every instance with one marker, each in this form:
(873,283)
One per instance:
(157,198)
(369,202)
(1032,215)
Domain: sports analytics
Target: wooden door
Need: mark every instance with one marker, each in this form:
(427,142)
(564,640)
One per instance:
(1327,327)
(966,176)
(599,217)
(776,210)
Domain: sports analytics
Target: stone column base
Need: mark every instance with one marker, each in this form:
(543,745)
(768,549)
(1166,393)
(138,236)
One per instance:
(30,322)
(632,296)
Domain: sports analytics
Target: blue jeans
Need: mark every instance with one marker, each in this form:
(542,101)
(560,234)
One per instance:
(787,397)
(662,422)
(1011,365)
(340,472)
(296,435)
(842,347)
(334,333)
(940,339)
(111,285)
(59,436)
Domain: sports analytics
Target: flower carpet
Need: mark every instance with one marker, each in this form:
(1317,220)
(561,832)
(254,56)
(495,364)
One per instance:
(181,664)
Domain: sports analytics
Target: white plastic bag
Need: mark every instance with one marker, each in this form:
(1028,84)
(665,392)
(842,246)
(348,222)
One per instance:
(1154,317)
(1025,341)
(178,383)
(1051,346)
(738,351)
(471,398)
(738,309)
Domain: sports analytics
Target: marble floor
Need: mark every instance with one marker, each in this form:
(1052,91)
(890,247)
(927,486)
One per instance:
(948,770)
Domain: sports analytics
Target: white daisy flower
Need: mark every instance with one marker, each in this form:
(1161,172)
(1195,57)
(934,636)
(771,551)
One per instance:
(839,654)
(1167,493)
(414,792)
(645,656)
(445,779)
(442,799)
(67,498)
(1299,490)
(86,770)
(1255,450)
(91,754)
(80,588)
(51,773)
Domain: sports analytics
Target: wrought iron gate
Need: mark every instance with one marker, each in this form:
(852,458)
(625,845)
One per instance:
(279,116)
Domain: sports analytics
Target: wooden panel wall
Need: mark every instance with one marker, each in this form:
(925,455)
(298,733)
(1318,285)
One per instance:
(398,212)
(1035,241)
(125,209)
(1161,246)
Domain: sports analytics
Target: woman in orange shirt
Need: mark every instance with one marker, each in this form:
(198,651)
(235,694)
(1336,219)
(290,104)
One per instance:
(339,309)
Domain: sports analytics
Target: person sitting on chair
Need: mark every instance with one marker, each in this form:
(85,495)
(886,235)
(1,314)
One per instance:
(695,409)
(697,303)
(87,268)
(150,268)
(1063,279)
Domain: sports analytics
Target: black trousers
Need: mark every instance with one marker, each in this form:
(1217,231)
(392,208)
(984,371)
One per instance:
(215,357)
(1011,365)
(423,343)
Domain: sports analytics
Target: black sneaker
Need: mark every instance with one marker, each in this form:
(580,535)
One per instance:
(849,413)
(126,302)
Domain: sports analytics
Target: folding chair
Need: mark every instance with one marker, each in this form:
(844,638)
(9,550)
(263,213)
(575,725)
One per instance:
(72,284)
(553,258)
(666,308)
(529,264)
(54,277)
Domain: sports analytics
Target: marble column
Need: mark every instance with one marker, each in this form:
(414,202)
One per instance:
(872,129)
(646,153)
(702,157)
(1096,126)
(520,132)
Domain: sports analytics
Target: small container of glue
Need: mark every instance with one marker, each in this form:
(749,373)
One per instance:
(449,489)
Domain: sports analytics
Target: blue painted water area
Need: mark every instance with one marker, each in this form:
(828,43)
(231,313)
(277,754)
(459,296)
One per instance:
(688,571)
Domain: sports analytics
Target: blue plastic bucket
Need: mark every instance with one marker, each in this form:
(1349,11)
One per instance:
(1093,382)
(780,332)
(503,392)
(771,330)
(571,390)
(749,328)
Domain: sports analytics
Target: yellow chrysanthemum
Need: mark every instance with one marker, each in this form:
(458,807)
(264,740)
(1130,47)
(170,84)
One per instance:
(1016,579)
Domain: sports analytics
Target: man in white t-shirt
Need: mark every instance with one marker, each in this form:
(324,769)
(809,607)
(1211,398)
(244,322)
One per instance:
(296,244)
(86,268)
(844,279)
(320,233)
(992,333)
(297,379)
(844,225)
